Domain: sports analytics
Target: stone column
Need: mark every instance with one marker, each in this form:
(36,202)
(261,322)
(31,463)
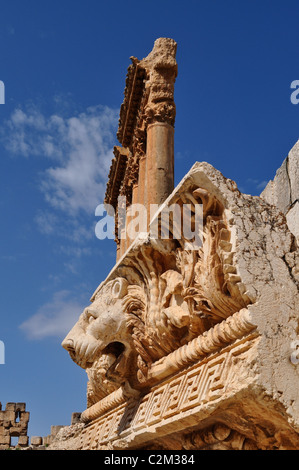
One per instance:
(122,243)
(142,180)
(117,252)
(159,115)
(129,217)
(121,228)
(160,163)
(146,133)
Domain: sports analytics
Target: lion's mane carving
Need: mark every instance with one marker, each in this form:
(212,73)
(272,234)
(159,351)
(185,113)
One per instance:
(124,330)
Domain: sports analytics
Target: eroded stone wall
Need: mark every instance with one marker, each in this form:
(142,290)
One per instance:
(14,423)
(283,190)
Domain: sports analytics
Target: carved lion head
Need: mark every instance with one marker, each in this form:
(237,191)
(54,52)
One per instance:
(101,341)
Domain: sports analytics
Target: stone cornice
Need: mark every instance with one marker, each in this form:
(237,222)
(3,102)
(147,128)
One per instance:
(133,94)
(221,335)
(116,175)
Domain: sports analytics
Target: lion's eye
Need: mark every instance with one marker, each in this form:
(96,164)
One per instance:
(89,316)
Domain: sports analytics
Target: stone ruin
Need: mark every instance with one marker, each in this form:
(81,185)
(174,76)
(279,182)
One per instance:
(190,349)
(14,423)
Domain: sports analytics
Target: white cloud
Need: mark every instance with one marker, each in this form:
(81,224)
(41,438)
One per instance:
(257,183)
(54,318)
(79,147)
(74,230)
(262,184)
(47,222)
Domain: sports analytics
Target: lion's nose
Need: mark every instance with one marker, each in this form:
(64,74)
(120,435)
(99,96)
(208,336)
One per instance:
(68,344)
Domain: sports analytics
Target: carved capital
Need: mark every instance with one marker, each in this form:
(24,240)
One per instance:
(164,111)
(161,70)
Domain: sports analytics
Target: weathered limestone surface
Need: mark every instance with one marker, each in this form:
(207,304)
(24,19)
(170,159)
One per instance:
(189,345)
(283,191)
(67,438)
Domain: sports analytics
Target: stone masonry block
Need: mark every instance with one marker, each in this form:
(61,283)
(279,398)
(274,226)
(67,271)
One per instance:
(18,431)
(20,407)
(55,430)
(8,416)
(4,431)
(47,440)
(23,441)
(5,440)
(25,415)
(10,407)
(36,441)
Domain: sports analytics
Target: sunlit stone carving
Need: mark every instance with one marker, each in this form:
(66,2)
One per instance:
(188,346)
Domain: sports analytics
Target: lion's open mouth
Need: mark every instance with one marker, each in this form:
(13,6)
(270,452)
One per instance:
(117,350)
(114,348)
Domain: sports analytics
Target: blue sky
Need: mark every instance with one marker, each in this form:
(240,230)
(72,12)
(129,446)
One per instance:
(64,65)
